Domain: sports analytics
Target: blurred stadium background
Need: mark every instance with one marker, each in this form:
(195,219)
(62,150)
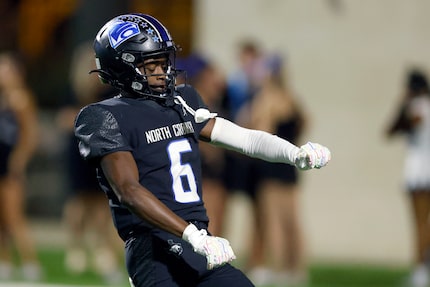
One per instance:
(347,60)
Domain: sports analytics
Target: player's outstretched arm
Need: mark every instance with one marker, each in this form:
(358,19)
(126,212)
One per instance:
(262,145)
(121,171)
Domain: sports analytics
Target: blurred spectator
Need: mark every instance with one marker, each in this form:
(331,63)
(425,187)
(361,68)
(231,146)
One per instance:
(93,243)
(274,109)
(242,85)
(244,81)
(18,141)
(209,81)
(413,121)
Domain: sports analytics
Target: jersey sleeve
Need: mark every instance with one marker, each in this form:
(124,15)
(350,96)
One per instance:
(193,98)
(98,133)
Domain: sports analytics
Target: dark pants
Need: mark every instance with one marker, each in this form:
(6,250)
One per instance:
(157,258)
(5,151)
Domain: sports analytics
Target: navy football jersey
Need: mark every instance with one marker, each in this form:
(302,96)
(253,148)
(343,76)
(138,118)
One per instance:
(163,140)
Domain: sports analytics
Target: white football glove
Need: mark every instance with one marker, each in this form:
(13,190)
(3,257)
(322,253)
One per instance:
(312,155)
(217,250)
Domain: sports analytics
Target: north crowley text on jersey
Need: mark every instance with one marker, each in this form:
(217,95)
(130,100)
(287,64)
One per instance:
(166,132)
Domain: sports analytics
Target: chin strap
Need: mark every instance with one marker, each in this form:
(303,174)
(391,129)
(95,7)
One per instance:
(200,115)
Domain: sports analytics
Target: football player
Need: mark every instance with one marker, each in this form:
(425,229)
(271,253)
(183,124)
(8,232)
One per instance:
(144,143)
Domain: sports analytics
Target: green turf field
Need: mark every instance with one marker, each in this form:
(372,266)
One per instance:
(55,272)
(322,275)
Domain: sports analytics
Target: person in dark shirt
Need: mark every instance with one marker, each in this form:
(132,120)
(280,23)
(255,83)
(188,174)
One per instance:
(18,144)
(276,109)
(144,143)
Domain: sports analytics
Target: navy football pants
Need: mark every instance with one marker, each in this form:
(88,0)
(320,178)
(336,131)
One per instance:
(164,260)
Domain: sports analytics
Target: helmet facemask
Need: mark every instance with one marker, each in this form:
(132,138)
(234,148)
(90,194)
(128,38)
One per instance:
(148,72)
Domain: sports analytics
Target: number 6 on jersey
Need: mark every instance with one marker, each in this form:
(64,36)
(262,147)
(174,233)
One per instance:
(184,183)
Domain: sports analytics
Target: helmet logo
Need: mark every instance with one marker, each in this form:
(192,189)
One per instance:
(122,31)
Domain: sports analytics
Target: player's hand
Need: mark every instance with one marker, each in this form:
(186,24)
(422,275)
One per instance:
(312,155)
(217,250)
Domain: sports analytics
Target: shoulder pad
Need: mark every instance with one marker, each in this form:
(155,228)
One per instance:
(98,132)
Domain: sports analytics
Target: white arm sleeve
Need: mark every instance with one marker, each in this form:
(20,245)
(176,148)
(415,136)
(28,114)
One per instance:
(253,143)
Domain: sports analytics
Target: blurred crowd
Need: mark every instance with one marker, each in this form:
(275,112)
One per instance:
(256,95)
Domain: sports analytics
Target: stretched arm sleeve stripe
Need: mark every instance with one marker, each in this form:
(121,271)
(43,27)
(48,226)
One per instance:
(254,143)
